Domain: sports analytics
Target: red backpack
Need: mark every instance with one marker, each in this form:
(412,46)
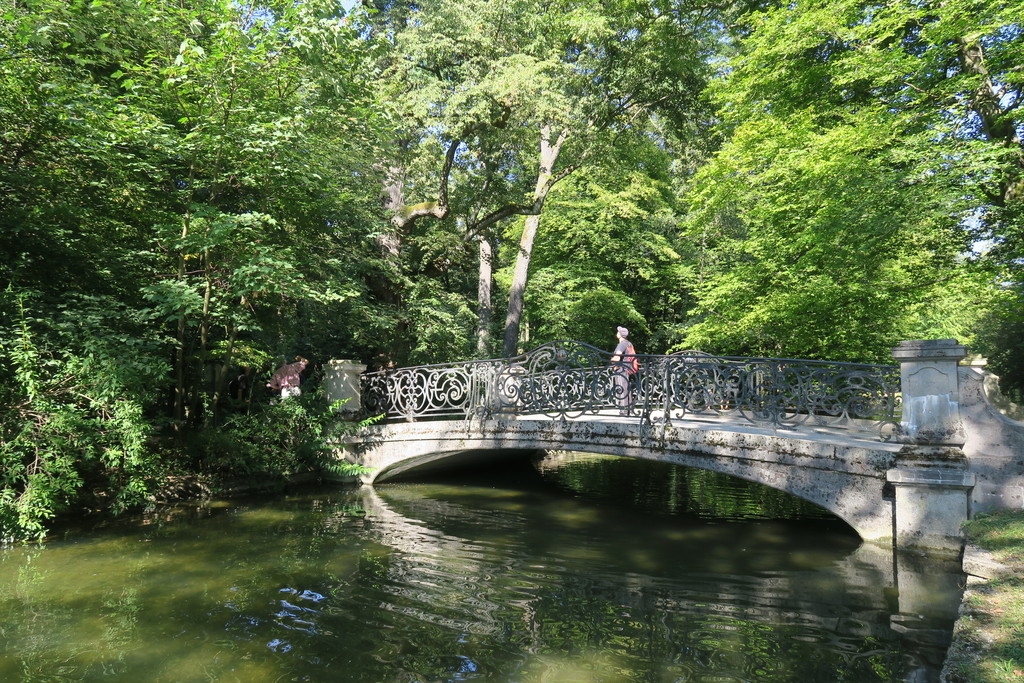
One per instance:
(630,358)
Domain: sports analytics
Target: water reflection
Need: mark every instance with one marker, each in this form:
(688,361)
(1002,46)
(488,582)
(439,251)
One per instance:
(552,574)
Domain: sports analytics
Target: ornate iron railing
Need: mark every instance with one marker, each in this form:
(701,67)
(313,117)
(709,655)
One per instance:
(568,379)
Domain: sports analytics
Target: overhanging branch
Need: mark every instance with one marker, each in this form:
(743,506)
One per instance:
(508,210)
(439,209)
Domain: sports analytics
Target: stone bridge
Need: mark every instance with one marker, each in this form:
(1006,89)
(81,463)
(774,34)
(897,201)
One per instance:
(903,454)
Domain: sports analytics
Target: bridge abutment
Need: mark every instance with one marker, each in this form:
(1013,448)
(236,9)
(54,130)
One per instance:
(931,482)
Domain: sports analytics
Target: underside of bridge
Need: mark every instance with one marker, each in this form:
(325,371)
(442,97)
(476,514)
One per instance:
(459,461)
(496,467)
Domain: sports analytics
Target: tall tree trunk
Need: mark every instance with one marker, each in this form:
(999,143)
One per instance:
(517,292)
(222,372)
(389,243)
(485,307)
(179,351)
(200,386)
(998,127)
(386,284)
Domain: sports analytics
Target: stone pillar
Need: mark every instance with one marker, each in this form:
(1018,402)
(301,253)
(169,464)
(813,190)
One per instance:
(932,503)
(931,391)
(341,379)
(931,483)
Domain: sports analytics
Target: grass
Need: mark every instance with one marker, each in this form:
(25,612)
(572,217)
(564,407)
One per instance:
(988,640)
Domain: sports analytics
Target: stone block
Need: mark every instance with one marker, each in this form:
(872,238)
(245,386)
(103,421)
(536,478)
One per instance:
(930,508)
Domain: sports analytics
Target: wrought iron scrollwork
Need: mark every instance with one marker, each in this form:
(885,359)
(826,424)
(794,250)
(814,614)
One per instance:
(448,390)
(568,379)
(780,392)
(560,379)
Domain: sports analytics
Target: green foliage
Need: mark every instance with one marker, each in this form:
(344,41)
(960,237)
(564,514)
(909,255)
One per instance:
(276,440)
(160,155)
(582,310)
(444,324)
(999,336)
(610,252)
(73,424)
(842,204)
(180,184)
(597,313)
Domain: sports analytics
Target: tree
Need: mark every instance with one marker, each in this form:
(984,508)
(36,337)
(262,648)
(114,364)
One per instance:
(176,182)
(500,101)
(857,172)
(250,94)
(611,253)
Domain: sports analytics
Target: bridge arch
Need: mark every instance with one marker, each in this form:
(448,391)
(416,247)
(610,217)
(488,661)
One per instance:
(843,475)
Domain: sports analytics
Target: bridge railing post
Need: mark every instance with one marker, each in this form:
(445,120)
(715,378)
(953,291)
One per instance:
(341,379)
(929,380)
(930,481)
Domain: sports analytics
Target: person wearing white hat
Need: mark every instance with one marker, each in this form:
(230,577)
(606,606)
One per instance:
(624,364)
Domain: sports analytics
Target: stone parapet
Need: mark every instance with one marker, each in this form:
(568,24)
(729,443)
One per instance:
(994,447)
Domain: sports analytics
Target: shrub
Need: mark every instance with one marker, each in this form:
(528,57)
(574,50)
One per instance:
(274,441)
(73,431)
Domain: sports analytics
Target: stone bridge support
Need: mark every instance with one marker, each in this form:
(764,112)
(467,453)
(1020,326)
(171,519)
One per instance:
(995,442)
(341,380)
(931,480)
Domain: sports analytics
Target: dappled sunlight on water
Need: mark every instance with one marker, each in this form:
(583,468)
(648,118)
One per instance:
(569,576)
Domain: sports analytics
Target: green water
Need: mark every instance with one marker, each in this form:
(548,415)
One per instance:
(567,570)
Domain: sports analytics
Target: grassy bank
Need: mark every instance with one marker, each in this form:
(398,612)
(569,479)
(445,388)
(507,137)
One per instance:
(988,641)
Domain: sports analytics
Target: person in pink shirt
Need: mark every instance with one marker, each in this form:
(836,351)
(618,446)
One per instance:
(288,377)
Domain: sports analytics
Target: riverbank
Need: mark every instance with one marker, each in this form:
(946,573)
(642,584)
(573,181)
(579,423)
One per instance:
(988,639)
